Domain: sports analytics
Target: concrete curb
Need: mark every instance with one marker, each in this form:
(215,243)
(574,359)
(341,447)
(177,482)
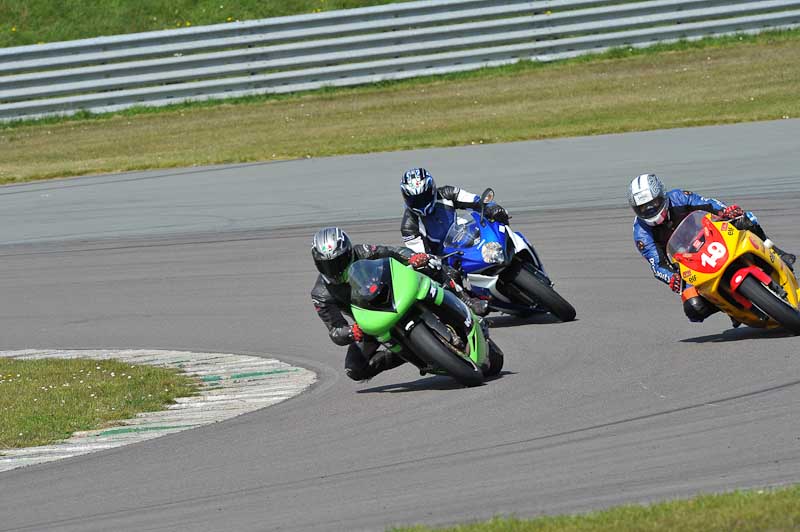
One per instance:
(230,385)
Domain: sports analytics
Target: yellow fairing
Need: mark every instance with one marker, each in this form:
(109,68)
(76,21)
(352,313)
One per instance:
(745,246)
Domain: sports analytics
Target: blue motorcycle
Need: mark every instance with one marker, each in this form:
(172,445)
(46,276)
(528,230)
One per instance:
(502,266)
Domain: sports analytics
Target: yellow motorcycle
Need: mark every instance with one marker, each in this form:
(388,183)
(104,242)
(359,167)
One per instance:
(736,271)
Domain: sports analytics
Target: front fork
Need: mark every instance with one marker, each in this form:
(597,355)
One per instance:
(510,290)
(450,318)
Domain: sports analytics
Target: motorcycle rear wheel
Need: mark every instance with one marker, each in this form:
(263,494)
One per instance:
(541,293)
(427,347)
(770,304)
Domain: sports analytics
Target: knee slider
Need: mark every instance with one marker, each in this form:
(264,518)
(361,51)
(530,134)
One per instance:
(357,374)
(698,309)
(384,360)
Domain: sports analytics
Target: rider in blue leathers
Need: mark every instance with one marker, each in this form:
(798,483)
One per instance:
(429,213)
(658,214)
(430,210)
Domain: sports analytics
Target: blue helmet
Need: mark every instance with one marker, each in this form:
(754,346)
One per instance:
(419,190)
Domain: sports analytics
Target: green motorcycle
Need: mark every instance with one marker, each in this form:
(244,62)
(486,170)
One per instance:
(415,317)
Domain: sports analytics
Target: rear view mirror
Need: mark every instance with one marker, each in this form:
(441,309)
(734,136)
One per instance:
(486,197)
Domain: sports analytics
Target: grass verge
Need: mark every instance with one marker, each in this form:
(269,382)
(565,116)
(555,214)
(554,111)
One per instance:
(761,510)
(44,401)
(716,81)
(35,21)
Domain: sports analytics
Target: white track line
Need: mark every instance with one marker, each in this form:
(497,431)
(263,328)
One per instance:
(229,386)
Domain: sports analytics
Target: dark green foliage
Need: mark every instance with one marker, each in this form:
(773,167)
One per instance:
(32,21)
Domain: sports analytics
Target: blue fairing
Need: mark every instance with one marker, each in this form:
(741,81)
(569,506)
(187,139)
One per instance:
(472,259)
(484,251)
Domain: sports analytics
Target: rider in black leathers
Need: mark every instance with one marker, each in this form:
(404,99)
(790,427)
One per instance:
(333,253)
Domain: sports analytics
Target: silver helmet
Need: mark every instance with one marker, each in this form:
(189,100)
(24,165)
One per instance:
(333,253)
(648,198)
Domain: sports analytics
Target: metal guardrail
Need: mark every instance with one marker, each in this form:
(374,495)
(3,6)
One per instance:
(350,47)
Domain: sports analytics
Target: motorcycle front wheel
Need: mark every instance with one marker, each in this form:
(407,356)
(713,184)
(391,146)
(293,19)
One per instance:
(543,294)
(495,359)
(771,304)
(427,347)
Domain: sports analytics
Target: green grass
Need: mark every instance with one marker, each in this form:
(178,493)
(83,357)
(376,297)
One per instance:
(44,401)
(33,21)
(760,510)
(718,81)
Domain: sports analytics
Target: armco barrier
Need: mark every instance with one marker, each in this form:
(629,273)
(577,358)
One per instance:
(349,47)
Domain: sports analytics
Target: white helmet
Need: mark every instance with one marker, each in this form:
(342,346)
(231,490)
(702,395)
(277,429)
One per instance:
(648,199)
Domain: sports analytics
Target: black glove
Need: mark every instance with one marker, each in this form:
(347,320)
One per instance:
(496,213)
(743,224)
(346,334)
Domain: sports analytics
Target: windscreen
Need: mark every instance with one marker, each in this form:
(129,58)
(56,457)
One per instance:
(462,234)
(371,284)
(689,237)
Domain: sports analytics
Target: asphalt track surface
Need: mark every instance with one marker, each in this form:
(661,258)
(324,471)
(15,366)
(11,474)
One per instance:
(630,403)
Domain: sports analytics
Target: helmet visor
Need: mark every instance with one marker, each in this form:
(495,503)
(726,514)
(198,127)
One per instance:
(422,202)
(334,269)
(651,208)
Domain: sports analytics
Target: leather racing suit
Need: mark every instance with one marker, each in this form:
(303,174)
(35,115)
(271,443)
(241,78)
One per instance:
(332,303)
(426,234)
(651,241)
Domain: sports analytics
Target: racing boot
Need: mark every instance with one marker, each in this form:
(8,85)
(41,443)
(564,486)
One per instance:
(484,327)
(695,306)
(788,258)
(479,306)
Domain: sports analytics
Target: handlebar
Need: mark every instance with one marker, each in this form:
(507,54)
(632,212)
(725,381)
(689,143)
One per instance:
(442,257)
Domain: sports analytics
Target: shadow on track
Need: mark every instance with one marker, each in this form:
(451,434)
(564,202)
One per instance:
(435,382)
(735,335)
(499,322)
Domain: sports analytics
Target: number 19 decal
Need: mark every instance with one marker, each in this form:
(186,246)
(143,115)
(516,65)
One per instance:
(712,254)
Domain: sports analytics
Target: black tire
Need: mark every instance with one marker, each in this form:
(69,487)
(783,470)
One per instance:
(544,295)
(770,304)
(428,347)
(495,359)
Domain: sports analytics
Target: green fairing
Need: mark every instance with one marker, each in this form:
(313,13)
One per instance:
(424,286)
(406,287)
(406,284)
(374,322)
(439,295)
(427,285)
(477,345)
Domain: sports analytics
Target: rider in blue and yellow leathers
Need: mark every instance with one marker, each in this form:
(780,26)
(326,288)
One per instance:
(658,214)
